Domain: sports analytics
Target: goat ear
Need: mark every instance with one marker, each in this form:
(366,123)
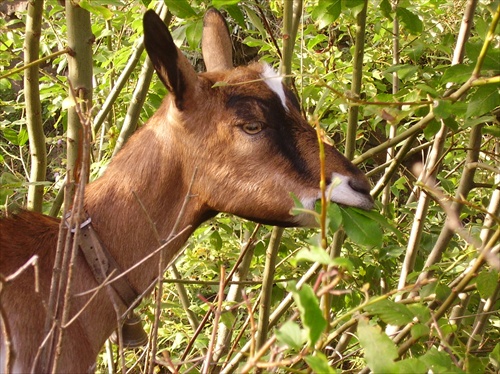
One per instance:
(172,66)
(216,43)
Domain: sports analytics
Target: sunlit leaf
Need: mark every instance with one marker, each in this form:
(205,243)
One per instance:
(314,254)
(483,100)
(221,3)
(439,361)
(68,102)
(310,312)
(487,282)
(22,136)
(495,356)
(380,350)
(291,334)
(390,312)
(411,365)
(419,330)
(319,364)
(326,12)
(193,33)
(334,217)
(180,8)
(458,73)
(492,130)
(443,108)
(235,12)
(361,229)
(255,20)
(95,8)
(431,129)
(410,20)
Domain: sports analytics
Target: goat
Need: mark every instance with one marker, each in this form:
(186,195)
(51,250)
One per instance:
(251,148)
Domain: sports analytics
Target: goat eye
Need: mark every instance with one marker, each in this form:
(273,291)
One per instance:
(252,128)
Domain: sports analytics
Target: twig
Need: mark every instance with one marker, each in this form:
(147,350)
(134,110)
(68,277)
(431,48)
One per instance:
(218,313)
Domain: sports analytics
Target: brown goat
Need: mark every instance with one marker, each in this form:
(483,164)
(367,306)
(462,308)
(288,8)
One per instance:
(248,147)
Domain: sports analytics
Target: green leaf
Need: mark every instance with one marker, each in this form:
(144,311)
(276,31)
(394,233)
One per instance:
(314,254)
(410,20)
(235,12)
(486,283)
(443,108)
(419,330)
(390,312)
(22,137)
(10,135)
(256,21)
(96,9)
(221,3)
(420,311)
(361,229)
(431,129)
(319,363)
(227,319)
(472,51)
(326,12)
(310,312)
(355,5)
(216,240)
(451,123)
(492,130)
(483,100)
(291,335)
(253,42)
(386,9)
(376,216)
(495,357)
(380,351)
(439,361)
(344,263)
(411,365)
(319,38)
(180,8)
(440,291)
(334,217)
(10,180)
(193,33)
(457,74)
(405,72)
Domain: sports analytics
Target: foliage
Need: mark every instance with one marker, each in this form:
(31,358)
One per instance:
(327,314)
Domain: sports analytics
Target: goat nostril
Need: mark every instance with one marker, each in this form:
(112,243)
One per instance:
(360,185)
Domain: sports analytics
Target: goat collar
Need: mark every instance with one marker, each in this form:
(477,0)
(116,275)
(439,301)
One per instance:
(102,263)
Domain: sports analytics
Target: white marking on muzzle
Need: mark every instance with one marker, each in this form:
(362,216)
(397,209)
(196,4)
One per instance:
(341,192)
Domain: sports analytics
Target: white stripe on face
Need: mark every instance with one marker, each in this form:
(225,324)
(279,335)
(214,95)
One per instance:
(274,81)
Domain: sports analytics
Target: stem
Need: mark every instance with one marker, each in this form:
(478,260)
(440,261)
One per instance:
(37,61)
(357,75)
(386,194)
(139,95)
(489,38)
(34,122)
(267,285)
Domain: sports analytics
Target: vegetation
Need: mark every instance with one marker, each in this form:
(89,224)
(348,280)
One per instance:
(408,89)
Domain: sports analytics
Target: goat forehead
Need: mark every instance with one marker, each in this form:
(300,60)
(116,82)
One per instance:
(252,79)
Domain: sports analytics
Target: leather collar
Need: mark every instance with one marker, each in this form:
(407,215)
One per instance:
(102,263)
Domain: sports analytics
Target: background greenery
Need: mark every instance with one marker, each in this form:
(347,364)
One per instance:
(410,289)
